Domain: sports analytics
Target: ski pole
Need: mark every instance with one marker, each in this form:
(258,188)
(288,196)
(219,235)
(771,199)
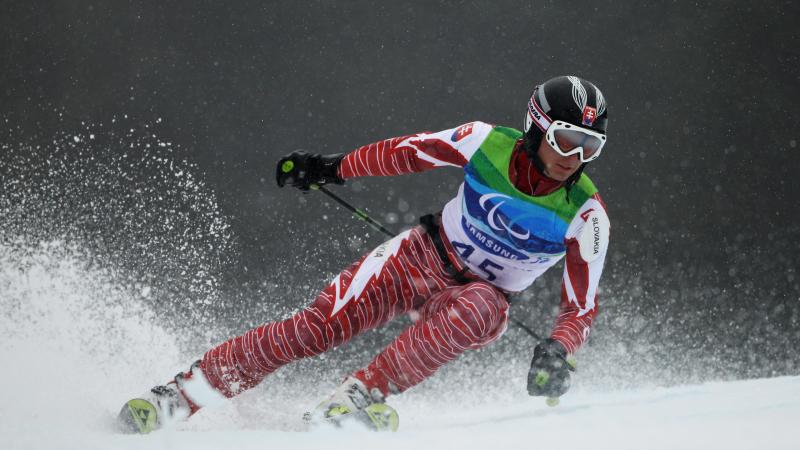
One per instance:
(360,214)
(525,328)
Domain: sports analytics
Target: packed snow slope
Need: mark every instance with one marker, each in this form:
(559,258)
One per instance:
(74,348)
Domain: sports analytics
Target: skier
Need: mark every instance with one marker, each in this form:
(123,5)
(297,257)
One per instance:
(524,204)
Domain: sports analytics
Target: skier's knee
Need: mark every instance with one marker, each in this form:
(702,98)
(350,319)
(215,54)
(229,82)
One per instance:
(310,331)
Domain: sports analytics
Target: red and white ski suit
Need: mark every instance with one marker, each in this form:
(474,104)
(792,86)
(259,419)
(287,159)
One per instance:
(401,275)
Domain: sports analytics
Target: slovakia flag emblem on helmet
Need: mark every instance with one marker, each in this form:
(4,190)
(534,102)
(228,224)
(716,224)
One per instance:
(589,114)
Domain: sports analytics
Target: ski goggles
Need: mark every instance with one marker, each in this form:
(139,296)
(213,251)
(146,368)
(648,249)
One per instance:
(567,140)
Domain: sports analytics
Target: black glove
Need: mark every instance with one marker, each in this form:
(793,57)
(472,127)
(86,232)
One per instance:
(302,169)
(549,374)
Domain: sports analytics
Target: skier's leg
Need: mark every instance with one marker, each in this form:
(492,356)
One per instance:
(394,278)
(457,319)
(452,321)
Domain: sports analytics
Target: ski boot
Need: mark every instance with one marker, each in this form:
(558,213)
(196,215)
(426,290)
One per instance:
(168,404)
(352,402)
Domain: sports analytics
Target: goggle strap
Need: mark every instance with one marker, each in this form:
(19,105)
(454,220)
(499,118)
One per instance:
(537,115)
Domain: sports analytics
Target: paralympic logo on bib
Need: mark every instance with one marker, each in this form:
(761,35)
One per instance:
(493,219)
(526,228)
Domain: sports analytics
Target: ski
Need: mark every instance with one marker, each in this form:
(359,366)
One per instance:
(376,417)
(138,416)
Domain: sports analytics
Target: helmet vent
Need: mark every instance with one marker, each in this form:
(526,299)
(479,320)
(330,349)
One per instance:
(578,92)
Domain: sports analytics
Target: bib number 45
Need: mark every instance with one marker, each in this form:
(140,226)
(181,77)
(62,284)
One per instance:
(487,266)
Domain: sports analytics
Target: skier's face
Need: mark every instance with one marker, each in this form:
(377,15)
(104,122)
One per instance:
(556,166)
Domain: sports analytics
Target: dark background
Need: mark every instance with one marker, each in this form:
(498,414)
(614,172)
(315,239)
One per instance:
(699,175)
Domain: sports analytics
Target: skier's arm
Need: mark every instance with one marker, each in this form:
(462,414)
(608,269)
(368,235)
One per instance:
(416,152)
(587,244)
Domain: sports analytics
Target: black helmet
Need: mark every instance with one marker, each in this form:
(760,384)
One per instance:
(569,99)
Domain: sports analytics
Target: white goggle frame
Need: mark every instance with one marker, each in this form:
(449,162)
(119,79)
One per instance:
(558,125)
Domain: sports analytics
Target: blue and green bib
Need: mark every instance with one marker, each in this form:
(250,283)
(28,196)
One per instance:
(498,230)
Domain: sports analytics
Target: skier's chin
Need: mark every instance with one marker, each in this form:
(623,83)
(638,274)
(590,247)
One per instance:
(558,172)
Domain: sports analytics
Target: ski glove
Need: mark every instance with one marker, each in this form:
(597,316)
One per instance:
(302,169)
(549,374)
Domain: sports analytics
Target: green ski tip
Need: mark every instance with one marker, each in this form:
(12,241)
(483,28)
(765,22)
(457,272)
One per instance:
(138,417)
(382,416)
(377,416)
